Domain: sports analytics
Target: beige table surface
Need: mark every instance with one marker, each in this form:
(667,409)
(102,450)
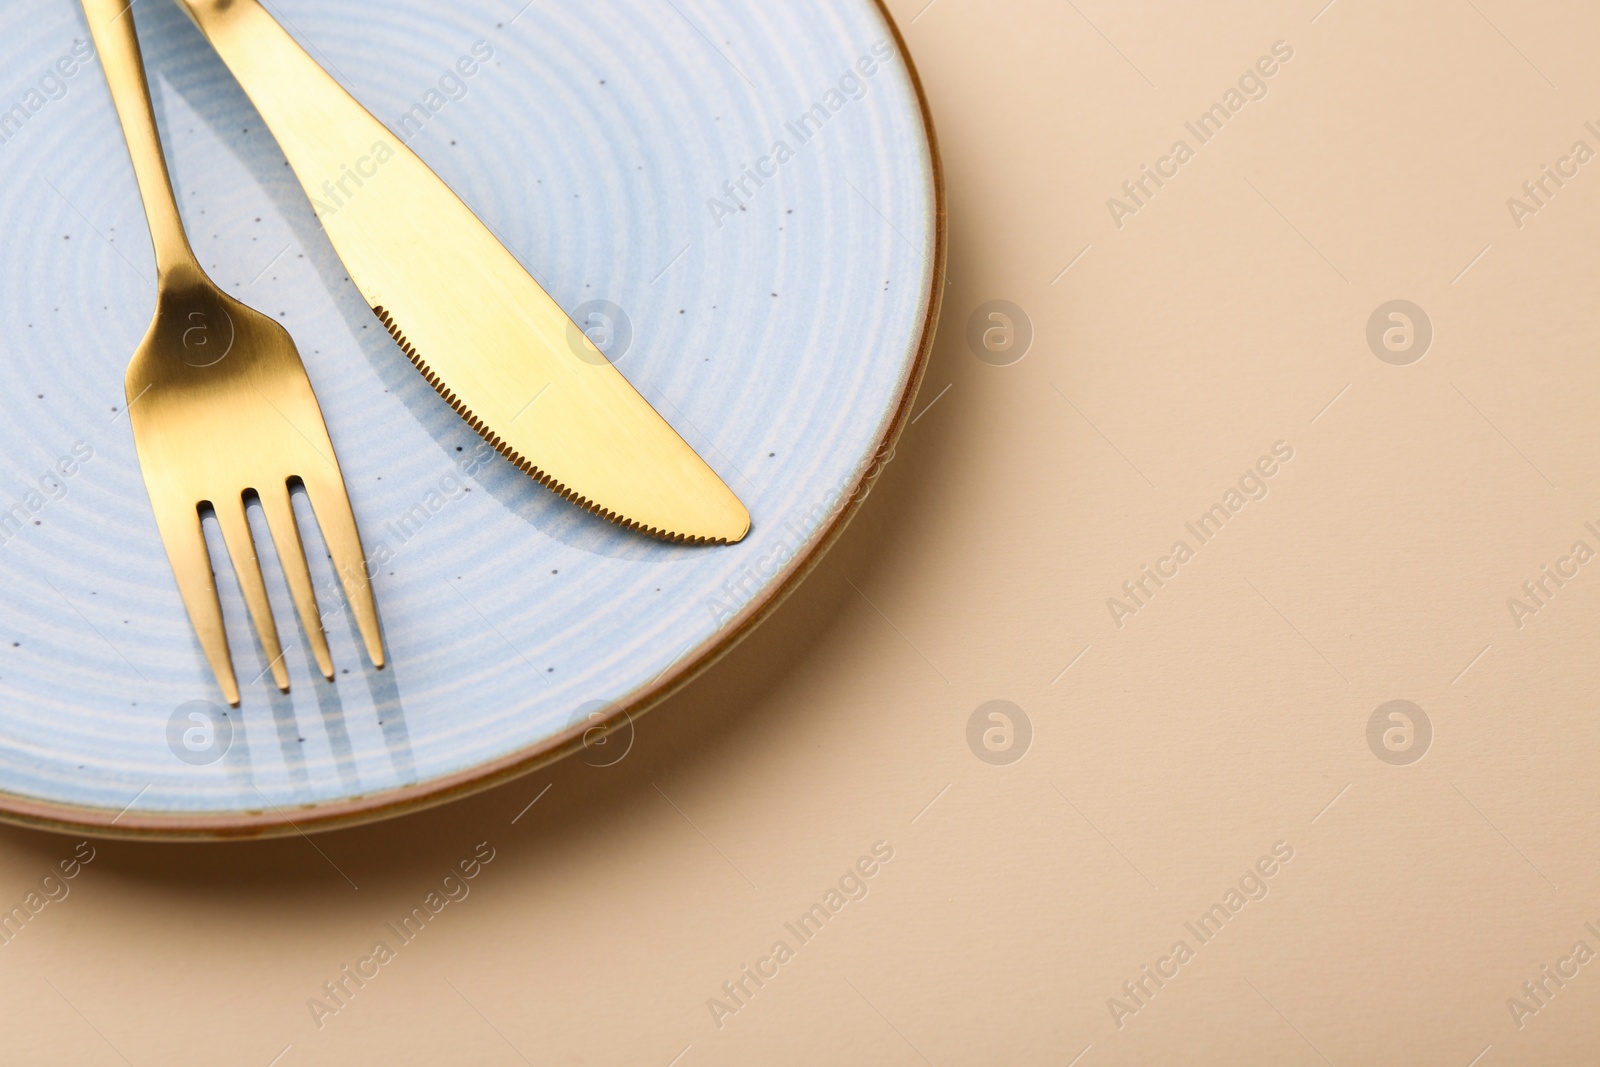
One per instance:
(1225,718)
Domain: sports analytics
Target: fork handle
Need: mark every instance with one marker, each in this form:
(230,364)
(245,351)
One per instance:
(111,25)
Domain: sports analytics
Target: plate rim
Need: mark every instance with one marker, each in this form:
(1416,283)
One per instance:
(57,817)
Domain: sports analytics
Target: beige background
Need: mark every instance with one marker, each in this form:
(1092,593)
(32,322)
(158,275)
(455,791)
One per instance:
(1229,714)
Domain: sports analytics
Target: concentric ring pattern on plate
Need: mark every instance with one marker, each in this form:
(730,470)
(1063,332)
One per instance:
(627,151)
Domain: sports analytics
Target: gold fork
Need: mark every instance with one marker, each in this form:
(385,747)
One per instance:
(221,408)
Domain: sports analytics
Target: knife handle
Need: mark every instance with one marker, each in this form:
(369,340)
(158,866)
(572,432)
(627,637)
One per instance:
(117,42)
(312,117)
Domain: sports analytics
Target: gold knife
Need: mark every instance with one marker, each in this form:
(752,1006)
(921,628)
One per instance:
(476,324)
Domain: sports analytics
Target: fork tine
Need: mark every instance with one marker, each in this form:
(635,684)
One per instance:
(185,543)
(331,504)
(292,555)
(247,568)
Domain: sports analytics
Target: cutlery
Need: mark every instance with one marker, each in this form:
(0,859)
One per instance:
(221,409)
(472,319)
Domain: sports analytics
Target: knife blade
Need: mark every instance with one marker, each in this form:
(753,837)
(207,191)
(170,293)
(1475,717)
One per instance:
(477,325)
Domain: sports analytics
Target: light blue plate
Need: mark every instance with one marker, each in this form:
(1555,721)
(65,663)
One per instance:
(752,183)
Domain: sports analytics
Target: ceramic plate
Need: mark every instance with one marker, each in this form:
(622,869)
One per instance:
(739,201)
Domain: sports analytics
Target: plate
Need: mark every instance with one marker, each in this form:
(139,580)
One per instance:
(740,203)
